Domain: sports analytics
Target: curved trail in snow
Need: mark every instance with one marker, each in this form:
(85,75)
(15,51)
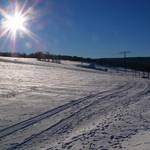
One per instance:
(18,127)
(109,97)
(64,118)
(21,125)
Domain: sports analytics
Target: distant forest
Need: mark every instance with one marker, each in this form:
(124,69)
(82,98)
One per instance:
(136,63)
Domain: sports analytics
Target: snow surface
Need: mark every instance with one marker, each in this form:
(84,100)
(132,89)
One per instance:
(138,141)
(47,106)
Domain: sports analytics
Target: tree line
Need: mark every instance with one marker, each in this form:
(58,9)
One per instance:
(136,63)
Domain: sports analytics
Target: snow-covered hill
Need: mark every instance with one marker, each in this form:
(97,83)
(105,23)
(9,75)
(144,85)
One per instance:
(61,106)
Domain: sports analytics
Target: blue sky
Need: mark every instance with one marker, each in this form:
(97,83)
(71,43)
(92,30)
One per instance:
(89,28)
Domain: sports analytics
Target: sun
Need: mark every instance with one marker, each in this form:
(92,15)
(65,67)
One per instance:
(14,21)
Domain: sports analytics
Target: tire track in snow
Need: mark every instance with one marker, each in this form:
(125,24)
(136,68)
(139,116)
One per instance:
(62,123)
(21,125)
(135,98)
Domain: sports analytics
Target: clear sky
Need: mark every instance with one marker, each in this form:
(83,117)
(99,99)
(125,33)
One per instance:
(89,28)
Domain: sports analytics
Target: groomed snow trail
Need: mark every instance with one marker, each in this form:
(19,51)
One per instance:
(81,109)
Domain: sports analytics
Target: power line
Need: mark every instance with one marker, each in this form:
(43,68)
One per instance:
(124,53)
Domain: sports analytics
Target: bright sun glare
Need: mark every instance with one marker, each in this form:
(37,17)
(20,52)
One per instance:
(14,21)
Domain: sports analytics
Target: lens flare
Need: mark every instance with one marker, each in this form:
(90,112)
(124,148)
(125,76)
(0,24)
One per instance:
(14,21)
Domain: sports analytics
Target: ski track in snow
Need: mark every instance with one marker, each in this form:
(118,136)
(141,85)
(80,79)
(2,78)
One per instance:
(57,126)
(33,120)
(102,119)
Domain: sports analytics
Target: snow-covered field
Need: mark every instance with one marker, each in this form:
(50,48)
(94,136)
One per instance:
(47,106)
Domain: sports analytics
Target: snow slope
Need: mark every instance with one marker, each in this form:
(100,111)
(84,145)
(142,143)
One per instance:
(61,106)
